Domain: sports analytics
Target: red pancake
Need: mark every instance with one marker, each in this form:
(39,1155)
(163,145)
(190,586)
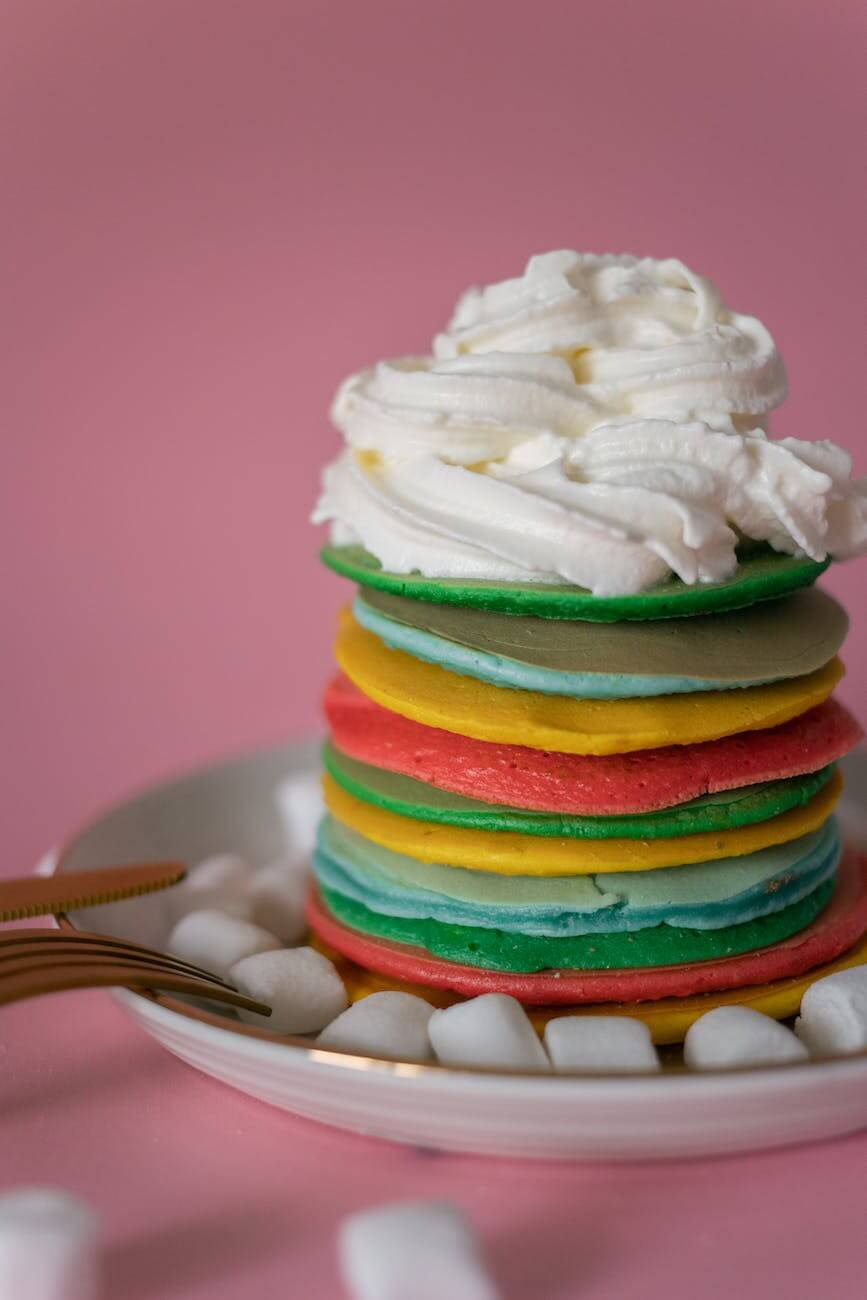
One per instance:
(841,925)
(591,785)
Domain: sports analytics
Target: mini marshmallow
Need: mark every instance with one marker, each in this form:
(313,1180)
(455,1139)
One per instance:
(47,864)
(391,1025)
(490,1030)
(215,941)
(728,1037)
(301,987)
(300,804)
(219,883)
(598,1044)
(221,870)
(47,1246)
(420,1249)
(276,898)
(833,1017)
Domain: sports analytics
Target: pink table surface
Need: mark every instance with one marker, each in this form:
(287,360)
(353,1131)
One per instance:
(212,212)
(209,1195)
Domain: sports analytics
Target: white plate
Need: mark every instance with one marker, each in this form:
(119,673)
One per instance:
(234,807)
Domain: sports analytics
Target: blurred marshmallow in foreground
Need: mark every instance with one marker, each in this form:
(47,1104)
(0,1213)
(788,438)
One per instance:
(300,804)
(833,1017)
(729,1037)
(490,1030)
(48,1246)
(418,1250)
(599,1044)
(391,1025)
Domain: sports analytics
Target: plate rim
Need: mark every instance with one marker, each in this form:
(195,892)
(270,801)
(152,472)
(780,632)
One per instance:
(210,1028)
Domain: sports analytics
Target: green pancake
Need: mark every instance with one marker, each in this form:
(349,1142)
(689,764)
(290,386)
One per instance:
(660,945)
(769,641)
(714,812)
(761,575)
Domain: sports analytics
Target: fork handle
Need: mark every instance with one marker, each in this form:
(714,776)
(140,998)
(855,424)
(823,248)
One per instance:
(57,978)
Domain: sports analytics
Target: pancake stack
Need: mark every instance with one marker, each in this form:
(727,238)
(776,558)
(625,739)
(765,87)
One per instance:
(607,804)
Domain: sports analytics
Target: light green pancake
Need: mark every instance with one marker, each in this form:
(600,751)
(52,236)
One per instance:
(761,575)
(662,945)
(769,641)
(703,896)
(715,812)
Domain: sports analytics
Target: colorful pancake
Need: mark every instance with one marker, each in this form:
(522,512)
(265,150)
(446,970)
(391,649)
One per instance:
(714,812)
(462,705)
(703,896)
(512,854)
(512,952)
(840,926)
(768,642)
(761,575)
(611,785)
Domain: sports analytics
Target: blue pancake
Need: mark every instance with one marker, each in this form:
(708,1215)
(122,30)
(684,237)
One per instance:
(567,955)
(702,896)
(771,641)
(510,673)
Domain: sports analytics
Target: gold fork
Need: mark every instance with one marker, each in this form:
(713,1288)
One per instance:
(33,962)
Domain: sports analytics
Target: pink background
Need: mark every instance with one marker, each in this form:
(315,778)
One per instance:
(215,211)
(209,1195)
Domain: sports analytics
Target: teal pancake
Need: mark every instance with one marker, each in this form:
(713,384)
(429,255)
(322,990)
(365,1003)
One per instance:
(703,896)
(769,641)
(715,812)
(662,945)
(761,575)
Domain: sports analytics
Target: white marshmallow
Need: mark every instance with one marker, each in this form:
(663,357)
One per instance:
(47,864)
(217,883)
(300,804)
(598,1044)
(425,1250)
(301,987)
(391,1025)
(490,1030)
(728,1037)
(833,1017)
(215,941)
(48,1248)
(276,898)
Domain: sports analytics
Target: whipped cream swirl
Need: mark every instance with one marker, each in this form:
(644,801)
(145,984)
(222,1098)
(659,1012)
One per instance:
(598,421)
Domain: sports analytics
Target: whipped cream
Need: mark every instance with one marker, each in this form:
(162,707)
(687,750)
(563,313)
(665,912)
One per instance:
(601,421)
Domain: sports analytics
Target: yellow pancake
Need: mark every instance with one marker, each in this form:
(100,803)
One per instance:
(667,1020)
(510,853)
(439,698)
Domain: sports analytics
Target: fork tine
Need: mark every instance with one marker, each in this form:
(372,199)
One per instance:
(123,947)
(78,975)
(41,935)
(38,959)
(55,945)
